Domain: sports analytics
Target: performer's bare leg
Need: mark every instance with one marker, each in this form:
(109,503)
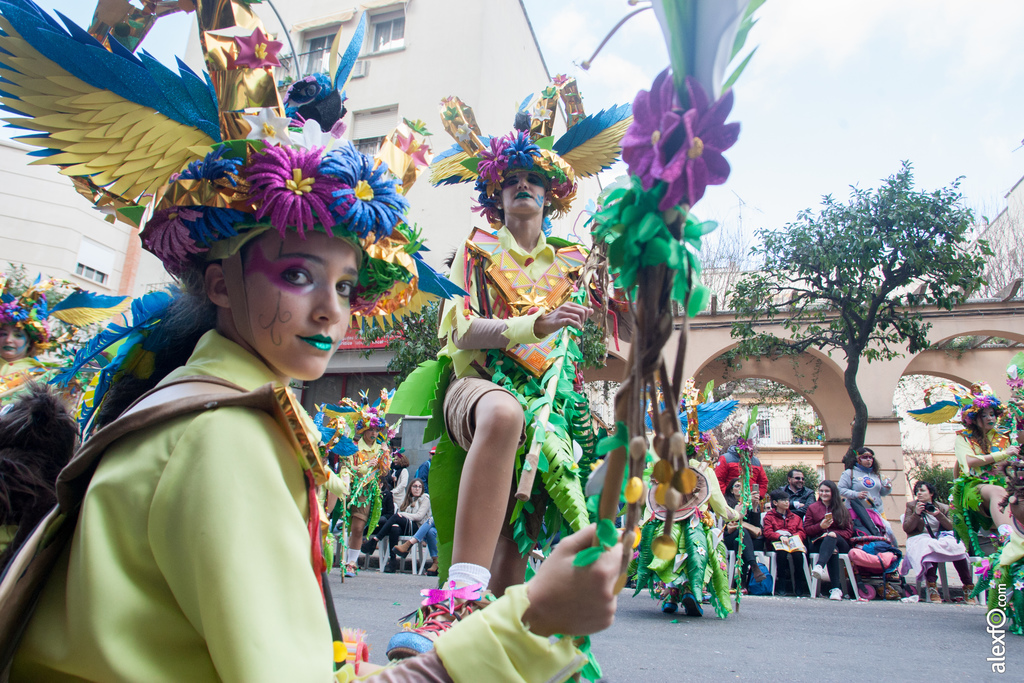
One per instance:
(508,567)
(355,536)
(993,495)
(486,480)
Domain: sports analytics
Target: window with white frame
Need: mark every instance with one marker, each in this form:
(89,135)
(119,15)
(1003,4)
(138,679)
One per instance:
(316,57)
(95,261)
(764,428)
(370,127)
(387,31)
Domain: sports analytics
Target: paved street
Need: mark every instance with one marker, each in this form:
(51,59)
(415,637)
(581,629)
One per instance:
(771,639)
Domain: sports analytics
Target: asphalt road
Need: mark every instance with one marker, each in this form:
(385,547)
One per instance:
(786,639)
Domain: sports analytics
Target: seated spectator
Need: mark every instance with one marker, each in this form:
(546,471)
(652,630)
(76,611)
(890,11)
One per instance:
(426,534)
(799,495)
(931,542)
(749,527)
(829,527)
(728,468)
(862,487)
(779,526)
(415,509)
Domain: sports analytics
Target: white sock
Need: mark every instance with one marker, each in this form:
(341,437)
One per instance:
(465,573)
(352,555)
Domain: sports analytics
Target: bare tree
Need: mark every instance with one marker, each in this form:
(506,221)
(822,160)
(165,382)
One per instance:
(1005,236)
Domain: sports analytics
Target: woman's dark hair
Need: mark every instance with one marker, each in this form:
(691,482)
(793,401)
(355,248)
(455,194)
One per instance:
(977,433)
(408,493)
(399,462)
(37,438)
(874,459)
(840,515)
(730,497)
(172,340)
(928,485)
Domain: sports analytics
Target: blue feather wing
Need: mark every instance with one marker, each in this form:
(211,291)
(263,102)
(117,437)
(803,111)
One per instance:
(432,282)
(936,413)
(591,126)
(145,310)
(348,60)
(710,415)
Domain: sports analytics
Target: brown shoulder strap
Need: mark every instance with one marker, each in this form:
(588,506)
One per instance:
(166,402)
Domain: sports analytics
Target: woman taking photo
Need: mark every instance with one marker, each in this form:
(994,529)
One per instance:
(829,528)
(931,542)
(196,553)
(749,527)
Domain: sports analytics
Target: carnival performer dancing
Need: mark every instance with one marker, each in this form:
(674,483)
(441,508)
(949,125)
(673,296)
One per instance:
(979,447)
(190,518)
(679,571)
(25,330)
(503,343)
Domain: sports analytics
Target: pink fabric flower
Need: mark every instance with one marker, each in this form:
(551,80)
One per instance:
(169,238)
(288,186)
(494,162)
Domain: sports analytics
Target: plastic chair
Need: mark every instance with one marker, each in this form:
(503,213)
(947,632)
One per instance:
(845,563)
(761,557)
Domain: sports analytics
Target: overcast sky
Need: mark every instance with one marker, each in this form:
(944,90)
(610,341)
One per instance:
(839,92)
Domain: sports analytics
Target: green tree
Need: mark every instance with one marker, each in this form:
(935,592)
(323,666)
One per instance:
(852,277)
(778,476)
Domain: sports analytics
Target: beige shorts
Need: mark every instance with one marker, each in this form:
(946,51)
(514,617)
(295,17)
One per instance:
(460,405)
(362,512)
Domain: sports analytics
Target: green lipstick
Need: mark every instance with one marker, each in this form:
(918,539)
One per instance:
(319,341)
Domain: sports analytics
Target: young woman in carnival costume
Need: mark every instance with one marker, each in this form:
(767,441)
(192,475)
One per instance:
(195,554)
(25,328)
(366,460)
(678,573)
(504,395)
(980,447)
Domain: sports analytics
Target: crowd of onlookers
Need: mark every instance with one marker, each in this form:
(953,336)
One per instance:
(802,525)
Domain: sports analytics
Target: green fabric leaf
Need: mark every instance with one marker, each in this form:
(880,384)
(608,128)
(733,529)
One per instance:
(587,556)
(607,534)
(617,440)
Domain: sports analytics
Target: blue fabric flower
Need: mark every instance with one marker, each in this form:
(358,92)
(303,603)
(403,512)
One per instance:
(369,202)
(213,224)
(213,167)
(521,152)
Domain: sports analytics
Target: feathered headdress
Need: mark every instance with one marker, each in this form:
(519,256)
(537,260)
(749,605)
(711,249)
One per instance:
(30,312)
(969,403)
(590,144)
(203,165)
(342,425)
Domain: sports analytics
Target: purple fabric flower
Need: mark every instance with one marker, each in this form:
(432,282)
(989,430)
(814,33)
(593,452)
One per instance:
(684,151)
(170,240)
(289,187)
(494,162)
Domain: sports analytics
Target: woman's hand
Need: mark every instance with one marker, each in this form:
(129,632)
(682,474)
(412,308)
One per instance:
(573,600)
(919,508)
(863,495)
(732,526)
(826,523)
(567,314)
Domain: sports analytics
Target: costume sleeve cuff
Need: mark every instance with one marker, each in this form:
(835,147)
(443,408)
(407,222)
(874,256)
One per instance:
(520,330)
(999,456)
(493,644)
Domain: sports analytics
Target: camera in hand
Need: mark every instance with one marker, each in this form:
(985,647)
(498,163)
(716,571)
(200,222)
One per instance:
(930,507)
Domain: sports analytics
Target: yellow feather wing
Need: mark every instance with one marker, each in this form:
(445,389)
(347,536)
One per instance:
(599,151)
(126,148)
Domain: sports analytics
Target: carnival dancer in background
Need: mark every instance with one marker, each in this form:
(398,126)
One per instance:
(198,531)
(25,327)
(503,342)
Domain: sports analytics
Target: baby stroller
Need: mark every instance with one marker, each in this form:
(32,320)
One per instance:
(876,565)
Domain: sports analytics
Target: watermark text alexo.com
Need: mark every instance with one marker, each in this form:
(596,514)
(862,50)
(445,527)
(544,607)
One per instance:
(996,620)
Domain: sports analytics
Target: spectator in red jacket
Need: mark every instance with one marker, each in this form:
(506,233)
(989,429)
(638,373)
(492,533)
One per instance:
(728,468)
(779,523)
(829,527)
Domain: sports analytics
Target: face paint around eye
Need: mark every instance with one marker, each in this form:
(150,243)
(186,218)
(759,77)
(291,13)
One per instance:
(286,274)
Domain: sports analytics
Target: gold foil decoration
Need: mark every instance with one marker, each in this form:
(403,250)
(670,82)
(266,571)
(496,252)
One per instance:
(571,99)
(459,122)
(239,89)
(542,114)
(128,24)
(406,153)
(302,432)
(219,194)
(234,125)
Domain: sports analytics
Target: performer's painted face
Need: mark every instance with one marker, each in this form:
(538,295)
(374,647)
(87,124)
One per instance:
(369,436)
(987,420)
(523,194)
(298,294)
(13,343)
